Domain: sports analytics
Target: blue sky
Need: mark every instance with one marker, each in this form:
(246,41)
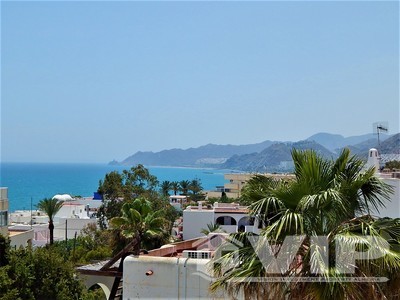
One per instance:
(94,81)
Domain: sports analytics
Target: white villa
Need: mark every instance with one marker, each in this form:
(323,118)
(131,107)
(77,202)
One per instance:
(177,201)
(230,216)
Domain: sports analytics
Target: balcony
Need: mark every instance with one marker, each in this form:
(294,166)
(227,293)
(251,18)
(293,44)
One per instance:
(229,228)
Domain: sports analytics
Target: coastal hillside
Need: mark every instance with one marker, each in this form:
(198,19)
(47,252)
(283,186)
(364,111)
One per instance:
(275,158)
(389,145)
(333,142)
(208,155)
(265,156)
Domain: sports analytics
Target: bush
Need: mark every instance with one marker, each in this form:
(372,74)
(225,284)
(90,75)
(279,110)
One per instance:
(41,273)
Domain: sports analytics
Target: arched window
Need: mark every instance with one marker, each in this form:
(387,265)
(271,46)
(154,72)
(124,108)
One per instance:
(225,220)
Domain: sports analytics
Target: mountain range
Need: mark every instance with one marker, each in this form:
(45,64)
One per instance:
(267,156)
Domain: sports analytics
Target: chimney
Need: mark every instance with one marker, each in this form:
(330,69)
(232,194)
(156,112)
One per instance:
(373,159)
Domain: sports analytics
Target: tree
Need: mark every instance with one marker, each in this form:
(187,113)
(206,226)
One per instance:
(118,188)
(92,244)
(138,182)
(139,221)
(195,186)
(4,247)
(394,164)
(165,187)
(112,187)
(328,198)
(211,227)
(184,186)
(40,273)
(51,208)
(175,187)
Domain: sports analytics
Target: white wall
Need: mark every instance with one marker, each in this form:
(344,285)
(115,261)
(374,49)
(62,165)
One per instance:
(105,282)
(229,228)
(392,208)
(21,239)
(71,210)
(172,278)
(194,221)
(73,225)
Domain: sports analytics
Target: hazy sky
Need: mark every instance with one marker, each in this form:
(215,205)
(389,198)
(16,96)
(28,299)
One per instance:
(94,81)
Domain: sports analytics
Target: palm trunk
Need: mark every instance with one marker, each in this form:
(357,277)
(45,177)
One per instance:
(51,228)
(136,248)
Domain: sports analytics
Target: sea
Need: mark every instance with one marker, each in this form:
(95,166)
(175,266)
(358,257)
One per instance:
(30,182)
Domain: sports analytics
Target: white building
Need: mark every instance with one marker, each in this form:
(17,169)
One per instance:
(175,271)
(177,201)
(69,221)
(230,216)
(236,181)
(21,236)
(392,207)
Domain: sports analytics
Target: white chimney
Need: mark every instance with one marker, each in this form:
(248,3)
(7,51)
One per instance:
(373,159)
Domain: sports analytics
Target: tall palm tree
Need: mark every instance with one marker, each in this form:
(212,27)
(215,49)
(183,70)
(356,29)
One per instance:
(165,187)
(139,221)
(328,198)
(175,186)
(184,186)
(51,207)
(195,186)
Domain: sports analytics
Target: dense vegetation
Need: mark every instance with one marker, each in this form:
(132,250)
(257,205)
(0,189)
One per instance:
(394,164)
(41,273)
(330,200)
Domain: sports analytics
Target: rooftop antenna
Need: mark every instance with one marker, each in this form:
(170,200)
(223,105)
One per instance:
(379,127)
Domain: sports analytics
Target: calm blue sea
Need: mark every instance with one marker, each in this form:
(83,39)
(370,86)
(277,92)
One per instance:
(38,180)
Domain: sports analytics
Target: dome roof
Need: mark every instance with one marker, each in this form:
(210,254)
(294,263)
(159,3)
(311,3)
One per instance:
(63,197)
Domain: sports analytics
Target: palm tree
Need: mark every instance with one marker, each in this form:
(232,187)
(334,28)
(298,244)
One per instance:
(175,186)
(51,208)
(184,185)
(195,186)
(140,222)
(211,227)
(165,187)
(328,198)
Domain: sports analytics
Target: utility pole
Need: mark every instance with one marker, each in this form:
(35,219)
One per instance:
(31,213)
(66,233)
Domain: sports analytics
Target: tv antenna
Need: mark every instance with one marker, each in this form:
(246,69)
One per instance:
(379,127)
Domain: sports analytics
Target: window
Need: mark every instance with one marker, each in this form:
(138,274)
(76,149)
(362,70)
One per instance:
(3,218)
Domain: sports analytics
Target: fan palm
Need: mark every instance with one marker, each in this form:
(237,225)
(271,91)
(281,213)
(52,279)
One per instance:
(51,207)
(140,222)
(211,227)
(328,198)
